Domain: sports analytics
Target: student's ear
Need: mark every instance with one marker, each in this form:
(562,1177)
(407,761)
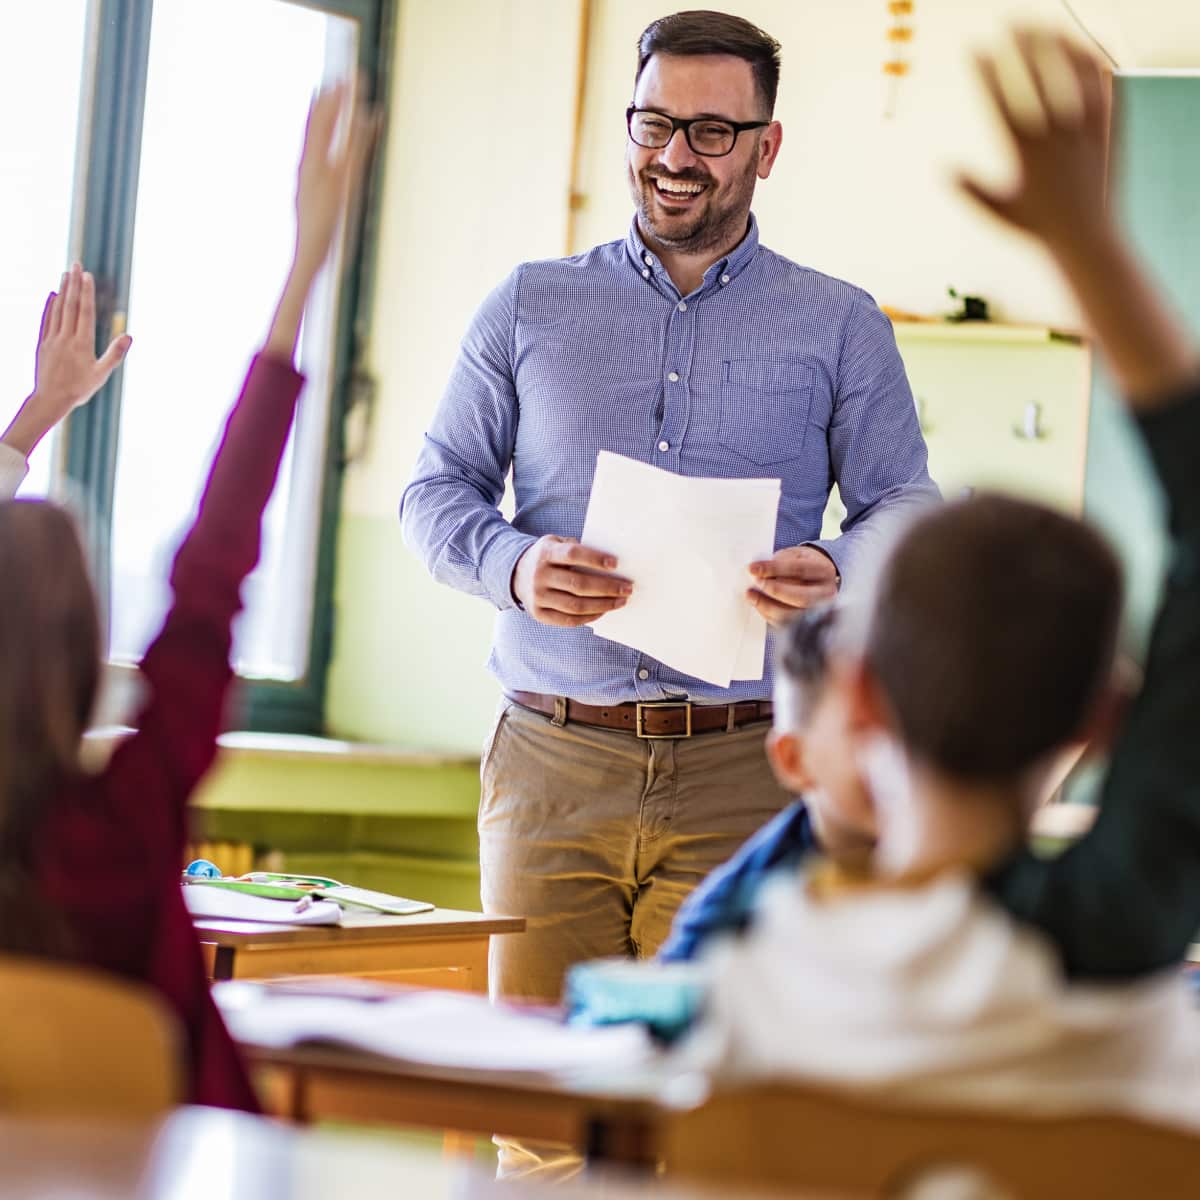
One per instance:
(867,709)
(1104,725)
(785,753)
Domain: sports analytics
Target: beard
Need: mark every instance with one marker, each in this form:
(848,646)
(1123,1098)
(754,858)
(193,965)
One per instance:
(720,217)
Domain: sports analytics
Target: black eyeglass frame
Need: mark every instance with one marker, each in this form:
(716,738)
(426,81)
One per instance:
(678,123)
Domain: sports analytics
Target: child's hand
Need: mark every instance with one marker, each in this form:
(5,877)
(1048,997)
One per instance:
(68,373)
(1062,147)
(330,172)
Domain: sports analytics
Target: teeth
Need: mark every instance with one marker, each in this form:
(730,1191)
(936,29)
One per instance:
(680,188)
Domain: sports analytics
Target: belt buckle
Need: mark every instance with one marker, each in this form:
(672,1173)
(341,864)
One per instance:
(640,719)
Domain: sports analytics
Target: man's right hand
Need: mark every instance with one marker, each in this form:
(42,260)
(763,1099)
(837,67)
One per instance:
(559,582)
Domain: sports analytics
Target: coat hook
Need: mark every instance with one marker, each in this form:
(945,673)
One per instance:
(1031,428)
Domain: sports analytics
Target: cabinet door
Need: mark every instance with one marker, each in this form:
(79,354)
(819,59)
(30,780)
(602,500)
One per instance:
(1008,416)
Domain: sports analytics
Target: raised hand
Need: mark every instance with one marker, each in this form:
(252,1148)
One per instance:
(1059,198)
(1062,146)
(559,582)
(331,171)
(67,371)
(793,579)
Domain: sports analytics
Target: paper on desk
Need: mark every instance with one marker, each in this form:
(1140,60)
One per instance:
(686,543)
(222,904)
(435,1028)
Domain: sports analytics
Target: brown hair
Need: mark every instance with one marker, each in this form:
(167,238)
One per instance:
(802,657)
(701,31)
(993,633)
(49,674)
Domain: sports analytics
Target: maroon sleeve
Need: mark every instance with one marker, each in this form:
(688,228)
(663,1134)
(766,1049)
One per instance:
(186,670)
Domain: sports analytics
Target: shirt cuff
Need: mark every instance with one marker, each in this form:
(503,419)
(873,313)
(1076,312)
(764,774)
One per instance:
(498,563)
(13,469)
(833,549)
(1172,435)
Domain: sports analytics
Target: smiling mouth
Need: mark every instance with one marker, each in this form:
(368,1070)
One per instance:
(679,192)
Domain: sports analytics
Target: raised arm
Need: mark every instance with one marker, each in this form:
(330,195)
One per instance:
(187,667)
(1125,899)
(67,372)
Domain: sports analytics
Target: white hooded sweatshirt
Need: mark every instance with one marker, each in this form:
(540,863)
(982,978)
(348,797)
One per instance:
(932,992)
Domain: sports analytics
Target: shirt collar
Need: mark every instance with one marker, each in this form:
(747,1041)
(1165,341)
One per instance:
(720,273)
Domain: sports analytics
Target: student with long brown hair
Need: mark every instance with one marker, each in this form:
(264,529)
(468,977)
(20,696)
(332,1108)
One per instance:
(89,864)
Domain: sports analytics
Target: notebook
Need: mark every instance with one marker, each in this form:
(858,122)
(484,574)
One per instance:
(227,904)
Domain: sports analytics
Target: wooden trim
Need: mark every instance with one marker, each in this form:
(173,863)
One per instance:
(575,198)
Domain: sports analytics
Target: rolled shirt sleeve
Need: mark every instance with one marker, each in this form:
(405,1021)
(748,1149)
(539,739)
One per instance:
(449,512)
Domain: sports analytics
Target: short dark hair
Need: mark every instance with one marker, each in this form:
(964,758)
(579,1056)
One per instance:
(803,655)
(993,633)
(701,31)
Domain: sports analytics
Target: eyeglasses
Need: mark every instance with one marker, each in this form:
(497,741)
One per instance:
(706,136)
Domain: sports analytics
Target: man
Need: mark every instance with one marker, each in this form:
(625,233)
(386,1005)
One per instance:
(690,346)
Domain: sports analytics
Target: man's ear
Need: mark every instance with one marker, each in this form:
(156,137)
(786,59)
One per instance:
(768,148)
(785,752)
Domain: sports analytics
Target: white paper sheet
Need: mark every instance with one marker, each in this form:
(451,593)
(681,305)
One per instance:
(686,543)
(224,904)
(437,1028)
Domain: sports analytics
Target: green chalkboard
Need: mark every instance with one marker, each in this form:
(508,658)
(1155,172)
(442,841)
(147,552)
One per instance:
(1156,189)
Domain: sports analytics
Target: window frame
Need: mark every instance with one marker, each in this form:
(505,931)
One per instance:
(106,200)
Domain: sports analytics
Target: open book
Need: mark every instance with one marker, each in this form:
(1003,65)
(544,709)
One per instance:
(434,1028)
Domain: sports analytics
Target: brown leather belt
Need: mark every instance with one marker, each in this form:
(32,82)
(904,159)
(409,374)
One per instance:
(649,719)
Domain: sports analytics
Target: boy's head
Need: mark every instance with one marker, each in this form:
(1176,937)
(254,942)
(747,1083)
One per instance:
(810,747)
(991,639)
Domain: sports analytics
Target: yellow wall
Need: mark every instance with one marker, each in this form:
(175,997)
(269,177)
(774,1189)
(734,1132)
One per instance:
(477,180)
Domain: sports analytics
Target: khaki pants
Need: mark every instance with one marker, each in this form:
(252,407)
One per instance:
(596,837)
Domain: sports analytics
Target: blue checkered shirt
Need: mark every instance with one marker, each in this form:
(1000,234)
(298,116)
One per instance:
(766,369)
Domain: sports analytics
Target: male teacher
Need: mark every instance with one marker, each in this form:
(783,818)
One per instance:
(612,784)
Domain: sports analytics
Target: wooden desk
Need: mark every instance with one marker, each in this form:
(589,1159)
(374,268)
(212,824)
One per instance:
(444,948)
(231,1156)
(610,1119)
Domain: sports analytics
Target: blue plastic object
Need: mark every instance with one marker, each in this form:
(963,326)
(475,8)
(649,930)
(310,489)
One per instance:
(201,868)
(665,997)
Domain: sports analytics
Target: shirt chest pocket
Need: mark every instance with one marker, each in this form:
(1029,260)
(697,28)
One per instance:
(764,408)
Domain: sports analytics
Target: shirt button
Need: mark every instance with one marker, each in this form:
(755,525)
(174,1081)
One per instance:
(645,272)
(724,278)
(674,377)
(649,260)
(643,674)
(683,306)
(664,446)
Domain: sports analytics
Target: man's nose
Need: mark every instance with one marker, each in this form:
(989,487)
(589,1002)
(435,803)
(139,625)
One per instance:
(677,155)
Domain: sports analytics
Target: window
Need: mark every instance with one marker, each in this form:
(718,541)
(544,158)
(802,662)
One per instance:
(195,128)
(41,42)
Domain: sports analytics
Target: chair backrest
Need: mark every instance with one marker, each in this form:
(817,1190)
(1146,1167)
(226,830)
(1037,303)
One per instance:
(785,1136)
(78,1042)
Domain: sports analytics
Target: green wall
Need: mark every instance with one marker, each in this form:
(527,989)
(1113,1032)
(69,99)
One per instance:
(408,656)
(1156,184)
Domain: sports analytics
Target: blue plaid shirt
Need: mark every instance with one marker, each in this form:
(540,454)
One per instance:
(766,369)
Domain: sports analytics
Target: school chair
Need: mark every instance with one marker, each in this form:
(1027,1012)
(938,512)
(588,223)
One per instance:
(799,1137)
(76,1042)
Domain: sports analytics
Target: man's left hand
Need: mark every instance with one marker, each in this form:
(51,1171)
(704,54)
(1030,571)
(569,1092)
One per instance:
(795,578)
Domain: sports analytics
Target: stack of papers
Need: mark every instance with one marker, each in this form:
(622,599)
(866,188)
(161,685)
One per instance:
(444,1029)
(225,905)
(687,545)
